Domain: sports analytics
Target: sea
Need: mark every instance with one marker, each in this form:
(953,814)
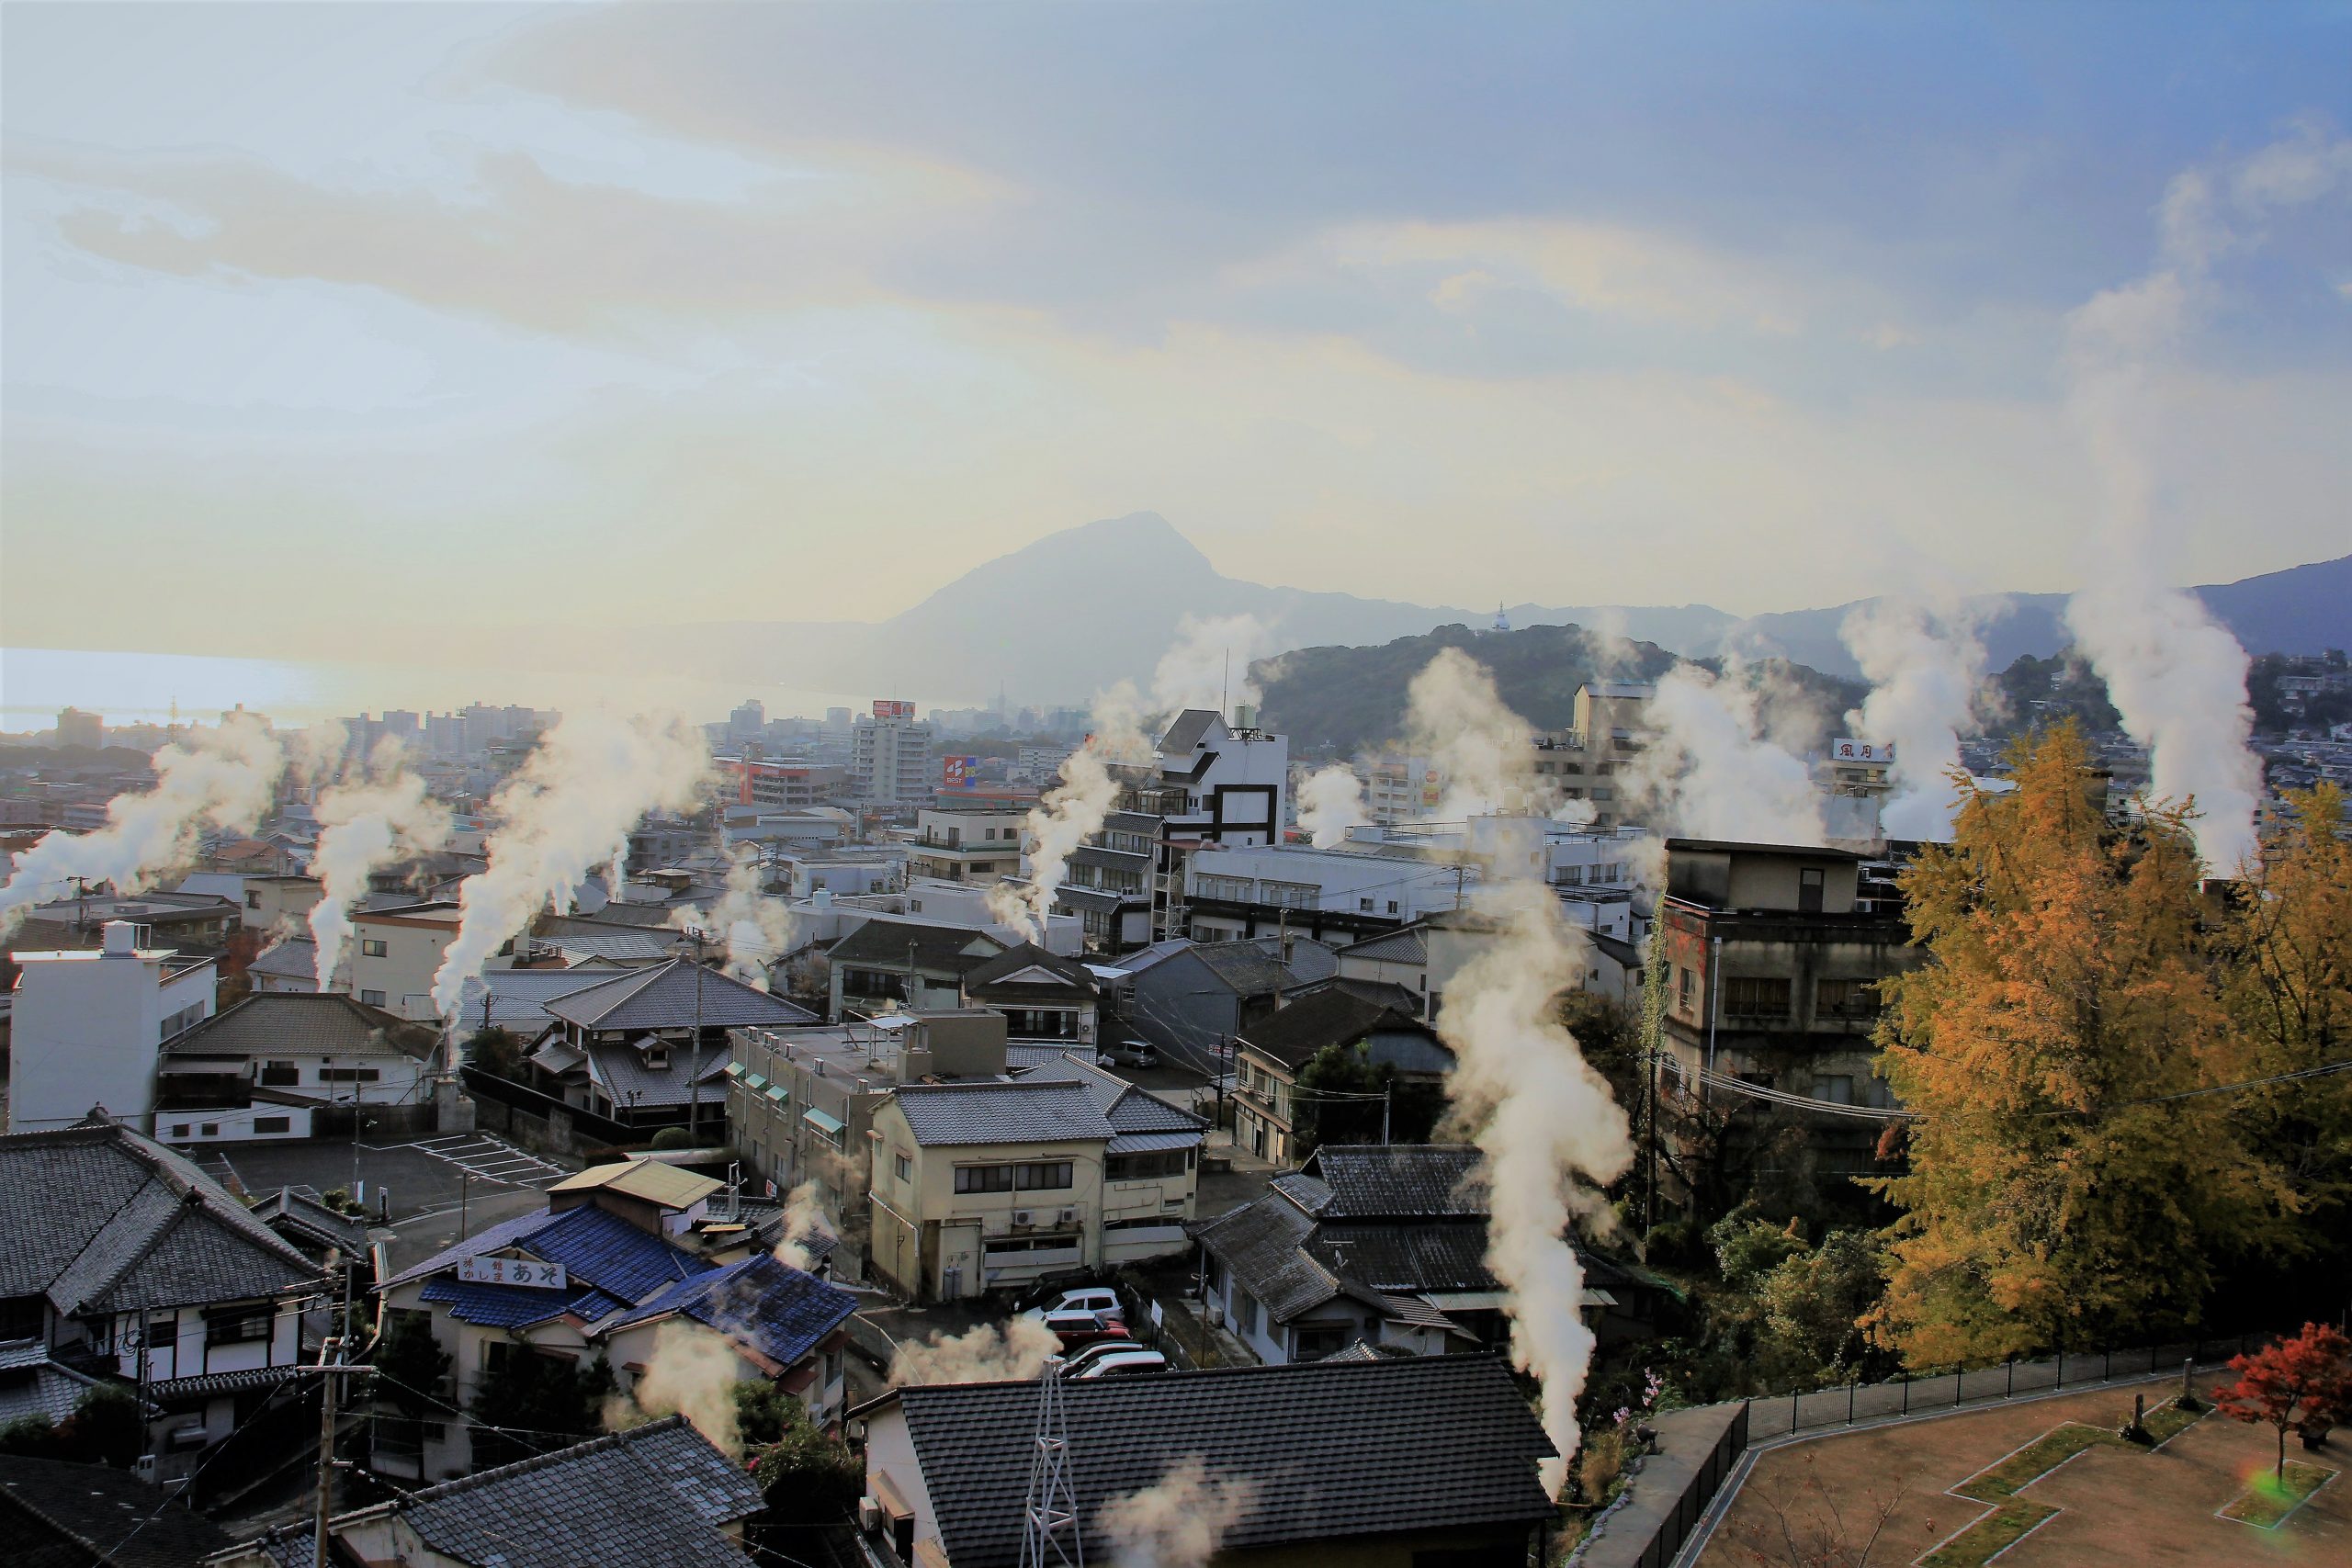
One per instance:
(134,688)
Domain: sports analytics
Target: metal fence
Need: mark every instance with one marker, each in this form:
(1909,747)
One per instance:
(1844,1404)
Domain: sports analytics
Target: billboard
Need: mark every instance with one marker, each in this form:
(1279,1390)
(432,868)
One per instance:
(959,773)
(1848,751)
(527,1272)
(885,708)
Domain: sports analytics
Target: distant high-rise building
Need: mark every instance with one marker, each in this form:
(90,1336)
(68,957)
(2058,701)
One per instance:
(749,721)
(76,727)
(889,756)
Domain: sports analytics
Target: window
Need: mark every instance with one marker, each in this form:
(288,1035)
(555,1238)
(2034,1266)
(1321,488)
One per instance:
(1845,999)
(1838,1087)
(236,1324)
(371,947)
(281,1075)
(180,1129)
(1149,1167)
(1809,885)
(20,1317)
(1684,985)
(266,1124)
(1391,905)
(1292,895)
(253,900)
(372,999)
(1312,1342)
(904,1167)
(983,1179)
(349,1075)
(1363,906)
(1048,1176)
(1246,1312)
(1748,996)
(208,1129)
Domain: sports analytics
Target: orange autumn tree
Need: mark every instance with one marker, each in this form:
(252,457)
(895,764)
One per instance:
(2068,979)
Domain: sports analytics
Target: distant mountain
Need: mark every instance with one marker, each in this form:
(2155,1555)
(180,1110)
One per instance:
(1344,699)
(1088,605)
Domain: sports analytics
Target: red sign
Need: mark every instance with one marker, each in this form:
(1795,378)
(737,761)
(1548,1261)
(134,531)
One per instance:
(885,707)
(959,773)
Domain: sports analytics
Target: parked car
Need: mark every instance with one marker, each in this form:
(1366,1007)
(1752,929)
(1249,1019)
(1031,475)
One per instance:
(1123,1364)
(1047,1289)
(1128,1054)
(1077,1362)
(1075,1330)
(1100,1300)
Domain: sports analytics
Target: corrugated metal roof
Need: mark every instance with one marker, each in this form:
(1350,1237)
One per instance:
(1002,1112)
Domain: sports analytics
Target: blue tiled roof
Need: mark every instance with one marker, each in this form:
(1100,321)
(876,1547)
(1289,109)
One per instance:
(517,1306)
(778,1310)
(596,1248)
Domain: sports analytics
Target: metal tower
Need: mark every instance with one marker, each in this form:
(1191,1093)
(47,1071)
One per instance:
(1049,1526)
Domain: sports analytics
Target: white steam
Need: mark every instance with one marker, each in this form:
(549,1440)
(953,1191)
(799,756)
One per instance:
(1483,752)
(367,825)
(692,1372)
(1071,812)
(1329,803)
(1208,665)
(2175,675)
(567,814)
(1178,1522)
(1923,670)
(755,928)
(225,778)
(1551,1134)
(1713,770)
(804,1217)
(985,1354)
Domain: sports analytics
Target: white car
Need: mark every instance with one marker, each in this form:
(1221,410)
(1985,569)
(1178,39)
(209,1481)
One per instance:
(1123,1364)
(1103,1301)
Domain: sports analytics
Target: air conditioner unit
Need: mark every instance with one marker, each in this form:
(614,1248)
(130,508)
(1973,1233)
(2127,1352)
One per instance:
(1217,1310)
(1024,1218)
(1070,1216)
(869,1514)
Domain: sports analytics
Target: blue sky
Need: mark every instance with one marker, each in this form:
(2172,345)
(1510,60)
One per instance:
(718,313)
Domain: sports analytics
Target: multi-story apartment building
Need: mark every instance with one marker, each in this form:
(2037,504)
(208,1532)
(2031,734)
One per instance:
(962,844)
(889,756)
(1339,895)
(784,784)
(396,951)
(89,1027)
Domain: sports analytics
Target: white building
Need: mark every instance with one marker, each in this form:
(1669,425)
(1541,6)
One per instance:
(1339,895)
(89,1026)
(889,756)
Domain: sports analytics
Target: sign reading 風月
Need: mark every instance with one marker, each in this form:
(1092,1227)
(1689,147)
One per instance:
(527,1272)
(1844,749)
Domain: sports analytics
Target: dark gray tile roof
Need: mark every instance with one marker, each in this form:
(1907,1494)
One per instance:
(620,946)
(1334,1016)
(1332,1450)
(1409,945)
(296,958)
(1264,1245)
(654,1494)
(620,1071)
(665,996)
(1398,1181)
(1450,1256)
(1067,973)
(51,1512)
(883,944)
(33,1384)
(1185,730)
(101,1218)
(518,998)
(1125,1107)
(309,1023)
(299,1211)
(994,1113)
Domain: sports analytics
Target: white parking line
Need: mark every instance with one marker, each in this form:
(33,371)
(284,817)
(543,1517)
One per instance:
(491,1160)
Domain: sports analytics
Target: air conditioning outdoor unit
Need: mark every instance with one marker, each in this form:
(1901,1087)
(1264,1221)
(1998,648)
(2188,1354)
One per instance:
(1217,1310)
(1024,1218)
(1070,1216)
(869,1514)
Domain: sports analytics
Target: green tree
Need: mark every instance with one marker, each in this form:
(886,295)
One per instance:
(541,1403)
(414,1368)
(496,1052)
(30,1436)
(105,1428)
(2053,1195)
(810,1476)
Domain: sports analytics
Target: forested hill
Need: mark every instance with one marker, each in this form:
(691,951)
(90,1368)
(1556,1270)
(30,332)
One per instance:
(1344,699)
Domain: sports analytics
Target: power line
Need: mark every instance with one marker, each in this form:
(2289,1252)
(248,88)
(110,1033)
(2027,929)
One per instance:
(1733,1085)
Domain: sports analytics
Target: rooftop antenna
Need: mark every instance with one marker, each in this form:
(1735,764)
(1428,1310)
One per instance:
(1224,684)
(1049,1534)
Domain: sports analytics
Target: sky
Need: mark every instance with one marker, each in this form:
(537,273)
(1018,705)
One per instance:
(330,329)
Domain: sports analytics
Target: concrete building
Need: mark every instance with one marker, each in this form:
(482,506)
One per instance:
(890,757)
(396,951)
(1380,1025)
(959,844)
(784,785)
(1772,970)
(1336,895)
(894,965)
(1191,1001)
(76,727)
(293,1047)
(89,1029)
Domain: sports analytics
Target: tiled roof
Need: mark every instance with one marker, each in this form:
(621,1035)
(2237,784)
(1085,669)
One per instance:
(655,1493)
(1398,1181)
(618,1069)
(518,1306)
(1407,1258)
(1185,730)
(518,997)
(1065,974)
(776,1309)
(309,1024)
(653,1182)
(36,1385)
(1333,1450)
(56,1513)
(300,1209)
(1409,945)
(619,946)
(1264,1245)
(1125,1107)
(96,1212)
(596,1248)
(995,1112)
(882,945)
(296,958)
(1332,1017)
(674,995)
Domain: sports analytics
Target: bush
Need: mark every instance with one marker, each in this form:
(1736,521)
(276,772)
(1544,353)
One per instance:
(674,1138)
(1601,1463)
(30,1436)
(105,1428)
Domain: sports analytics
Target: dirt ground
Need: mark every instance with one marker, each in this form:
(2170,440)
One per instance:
(2117,1507)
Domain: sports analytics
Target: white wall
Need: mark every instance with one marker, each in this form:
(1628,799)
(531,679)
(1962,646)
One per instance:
(86,1030)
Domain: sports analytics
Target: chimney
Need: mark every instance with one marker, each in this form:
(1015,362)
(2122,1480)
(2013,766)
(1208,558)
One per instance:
(121,939)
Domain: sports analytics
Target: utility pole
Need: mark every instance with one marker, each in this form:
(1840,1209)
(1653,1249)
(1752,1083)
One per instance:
(1387,1100)
(330,1352)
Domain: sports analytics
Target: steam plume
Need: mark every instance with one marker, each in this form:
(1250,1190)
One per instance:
(1330,803)
(985,1354)
(368,826)
(693,1373)
(1179,1521)
(225,777)
(1713,772)
(804,1216)
(1071,812)
(1550,1132)
(1209,659)
(2175,675)
(1923,672)
(1484,752)
(757,928)
(566,814)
